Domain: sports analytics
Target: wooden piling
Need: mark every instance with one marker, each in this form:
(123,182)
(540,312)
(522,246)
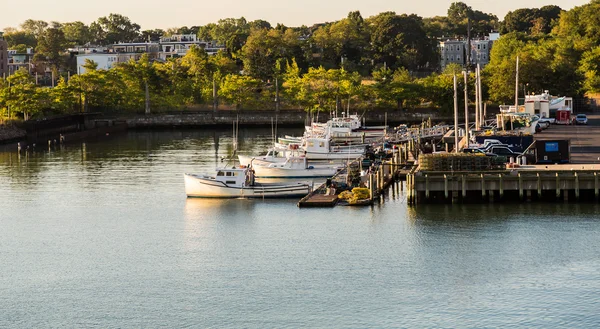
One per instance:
(539,186)
(520,186)
(464,186)
(576,186)
(483,191)
(596,191)
(426,186)
(500,186)
(446,186)
(557,186)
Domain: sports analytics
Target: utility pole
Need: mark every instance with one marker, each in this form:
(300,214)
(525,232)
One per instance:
(476,102)
(517,87)
(276,94)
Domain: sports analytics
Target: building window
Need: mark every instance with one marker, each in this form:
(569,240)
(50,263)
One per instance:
(483,46)
(457,48)
(452,57)
(478,46)
(458,58)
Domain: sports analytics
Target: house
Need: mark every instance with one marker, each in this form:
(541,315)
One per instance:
(452,51)
(17,61)
(455,51)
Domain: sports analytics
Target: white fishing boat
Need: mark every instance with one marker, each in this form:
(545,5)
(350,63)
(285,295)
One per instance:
(321,149)
(294,167)
(275,154)
(239,183)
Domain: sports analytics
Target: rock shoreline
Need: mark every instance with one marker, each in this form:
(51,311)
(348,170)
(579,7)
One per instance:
(9,133)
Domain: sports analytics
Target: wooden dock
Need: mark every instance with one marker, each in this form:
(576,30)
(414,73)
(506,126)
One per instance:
(377,179)
(529,183)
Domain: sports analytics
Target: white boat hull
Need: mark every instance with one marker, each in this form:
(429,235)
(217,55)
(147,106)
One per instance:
(272,171)
(203,187)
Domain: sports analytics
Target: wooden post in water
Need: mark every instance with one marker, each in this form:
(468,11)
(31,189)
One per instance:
(464,187)
(520,186)
(426,186)
(446,186)
(483,186)
(557,186)
(576,186)
(539,186)
(501,187)
(596,191)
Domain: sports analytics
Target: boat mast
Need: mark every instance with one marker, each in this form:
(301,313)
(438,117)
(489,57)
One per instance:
(517,87)
(466,108)
(480,99)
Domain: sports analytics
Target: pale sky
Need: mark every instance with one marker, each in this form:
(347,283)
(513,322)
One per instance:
(151,14)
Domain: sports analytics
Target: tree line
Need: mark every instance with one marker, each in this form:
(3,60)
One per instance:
(384,61)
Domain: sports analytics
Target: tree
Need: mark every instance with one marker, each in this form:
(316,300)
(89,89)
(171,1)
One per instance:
(23,97)
(151,35)
(76,33)
(114,29)
(590,68)
(239,90)
(50,47)
(401,41)
(34,27)
(200,72)
(264,48)
(344,42)
(20,38)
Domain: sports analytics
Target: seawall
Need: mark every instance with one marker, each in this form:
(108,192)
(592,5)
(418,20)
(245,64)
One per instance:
(287,117)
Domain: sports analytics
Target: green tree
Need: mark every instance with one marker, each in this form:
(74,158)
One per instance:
(34,27)
(401,41)
(20,38)
(590,69)
(50,47)
(239,90)
(114,29)
(23,97)
(264,48)
(76,33)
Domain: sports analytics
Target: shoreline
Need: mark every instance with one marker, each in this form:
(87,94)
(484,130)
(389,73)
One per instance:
(90,123)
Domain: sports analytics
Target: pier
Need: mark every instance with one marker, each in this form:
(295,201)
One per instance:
(572,182)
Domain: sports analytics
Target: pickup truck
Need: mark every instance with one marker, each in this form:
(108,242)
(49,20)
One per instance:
(503,150)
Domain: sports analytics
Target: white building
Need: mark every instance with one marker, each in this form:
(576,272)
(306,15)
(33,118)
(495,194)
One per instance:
(173,46)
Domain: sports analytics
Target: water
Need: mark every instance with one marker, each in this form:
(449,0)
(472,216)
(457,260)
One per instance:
(101,235)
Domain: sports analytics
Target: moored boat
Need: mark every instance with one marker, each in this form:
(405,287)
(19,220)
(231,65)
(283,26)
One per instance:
(239,183)
(294,167)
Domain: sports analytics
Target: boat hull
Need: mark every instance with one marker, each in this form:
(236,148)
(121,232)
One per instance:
(201,187)
(273,172)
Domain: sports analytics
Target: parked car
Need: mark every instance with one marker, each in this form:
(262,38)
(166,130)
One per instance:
(503,151)
(581,119)
(543,124)
(476,150)
(549,120)
(538,128)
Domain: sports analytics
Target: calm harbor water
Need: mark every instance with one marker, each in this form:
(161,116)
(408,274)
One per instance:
(100,234)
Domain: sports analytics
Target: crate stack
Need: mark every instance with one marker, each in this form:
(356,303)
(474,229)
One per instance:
(465,162)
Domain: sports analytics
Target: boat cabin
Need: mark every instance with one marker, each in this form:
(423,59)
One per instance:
(235,176)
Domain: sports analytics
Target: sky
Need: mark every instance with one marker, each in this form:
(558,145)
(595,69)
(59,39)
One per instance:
(152,14)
